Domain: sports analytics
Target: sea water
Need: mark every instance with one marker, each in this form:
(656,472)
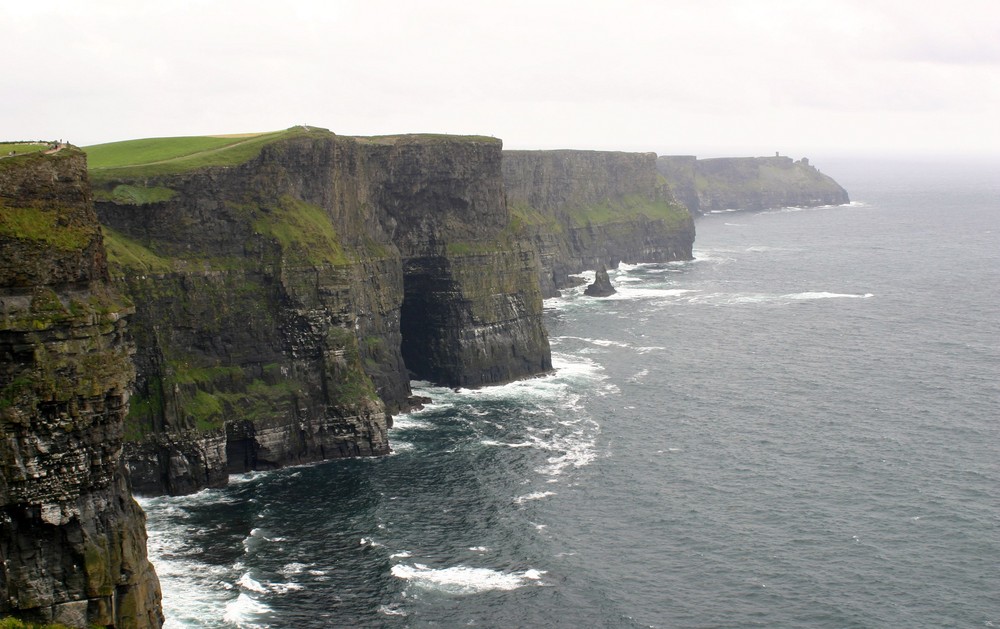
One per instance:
(796,429)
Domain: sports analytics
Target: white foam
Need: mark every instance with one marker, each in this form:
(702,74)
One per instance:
(242,609)
(285,588)
(729,299)
(577,455)
(391,610)
(626,293)
(293,568)
(247,582)
(600,342)
(652,348)
(407,421)
(399,446)
(401,555)
(642,373)
(478,549)
(207,496)
(826,295)
(239,479)
(492,442)
(463,579)
(536,495)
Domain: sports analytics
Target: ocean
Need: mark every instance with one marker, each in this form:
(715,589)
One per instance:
(799,428)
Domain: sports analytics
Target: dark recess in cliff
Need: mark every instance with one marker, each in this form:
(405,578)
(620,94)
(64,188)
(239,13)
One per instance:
(277,298)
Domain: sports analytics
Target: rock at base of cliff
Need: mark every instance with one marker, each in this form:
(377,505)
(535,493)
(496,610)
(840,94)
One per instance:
(602,284)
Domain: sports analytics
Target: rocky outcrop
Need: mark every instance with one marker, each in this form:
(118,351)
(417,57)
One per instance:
(262,291)
(748,183)
(583,209)
(72,539)
(601,286)
(472,306)
(284,302)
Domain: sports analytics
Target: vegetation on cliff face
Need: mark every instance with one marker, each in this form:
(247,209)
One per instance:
(135,195)
(72,542)
(287,279)
(584,209)
(303,230)
(248,304)
(629,207)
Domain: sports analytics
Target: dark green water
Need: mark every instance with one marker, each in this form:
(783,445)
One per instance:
(798,429)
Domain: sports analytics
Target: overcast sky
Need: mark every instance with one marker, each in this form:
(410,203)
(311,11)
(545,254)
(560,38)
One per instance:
(706,77)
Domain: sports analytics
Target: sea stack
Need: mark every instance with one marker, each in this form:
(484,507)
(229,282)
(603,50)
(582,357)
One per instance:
(602,284)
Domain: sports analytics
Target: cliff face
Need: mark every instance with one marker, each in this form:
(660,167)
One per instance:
(748,183)
(72,539)
(472,306)
(253,323)
(278,298)
(584,209)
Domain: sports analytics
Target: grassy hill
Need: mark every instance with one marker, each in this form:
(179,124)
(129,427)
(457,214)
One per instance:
(20,148)
(160,156)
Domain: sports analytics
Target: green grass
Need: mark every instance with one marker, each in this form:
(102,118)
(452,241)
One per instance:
(207,411)
(629,207)
(123,252)
(151,157)
(304,231)
(22,147)
(523,216)
(125,194)
(43,226)
(204,375)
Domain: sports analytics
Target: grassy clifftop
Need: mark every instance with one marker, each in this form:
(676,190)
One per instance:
(151,157)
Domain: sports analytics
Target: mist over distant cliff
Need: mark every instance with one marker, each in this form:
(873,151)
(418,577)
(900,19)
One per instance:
(585,209)
(748,183)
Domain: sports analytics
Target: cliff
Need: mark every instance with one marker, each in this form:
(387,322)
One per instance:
(289,285)
(585,209)
(72,539)
(472,306)
(748,183)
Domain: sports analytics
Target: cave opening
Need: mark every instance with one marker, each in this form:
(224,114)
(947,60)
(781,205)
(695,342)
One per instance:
(423,325)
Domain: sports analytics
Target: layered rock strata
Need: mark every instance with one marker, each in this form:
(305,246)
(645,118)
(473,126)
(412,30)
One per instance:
(472,306)
(283,303)
(584,209)
(748,183)
(72,539)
